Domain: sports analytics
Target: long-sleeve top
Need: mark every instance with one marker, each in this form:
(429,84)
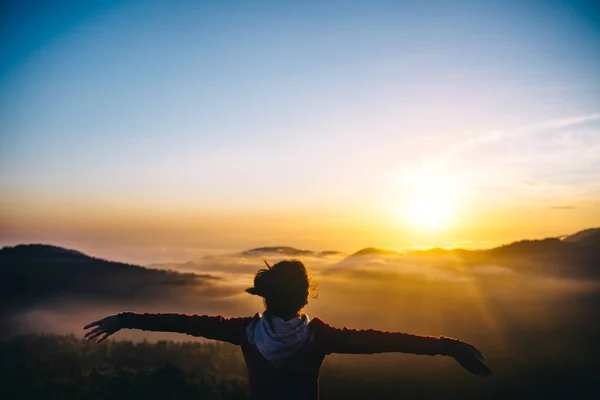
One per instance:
(299,378)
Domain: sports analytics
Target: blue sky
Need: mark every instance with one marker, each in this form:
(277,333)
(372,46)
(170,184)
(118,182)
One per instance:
(295,106)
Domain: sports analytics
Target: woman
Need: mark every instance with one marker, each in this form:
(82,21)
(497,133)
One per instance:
(283,349)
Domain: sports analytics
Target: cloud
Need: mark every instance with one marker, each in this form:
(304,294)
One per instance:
(529,183)
(561,207)
(492,270)
(527,130)
(553,161)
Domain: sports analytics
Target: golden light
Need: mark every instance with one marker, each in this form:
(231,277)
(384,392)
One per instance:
(429,200)
(428,211)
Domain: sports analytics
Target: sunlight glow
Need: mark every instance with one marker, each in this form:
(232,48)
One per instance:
(428,211)
(430,201)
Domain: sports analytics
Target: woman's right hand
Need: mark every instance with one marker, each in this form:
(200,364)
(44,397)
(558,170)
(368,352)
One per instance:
(106,326)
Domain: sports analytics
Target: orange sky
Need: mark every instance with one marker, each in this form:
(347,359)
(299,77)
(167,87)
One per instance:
(151,235)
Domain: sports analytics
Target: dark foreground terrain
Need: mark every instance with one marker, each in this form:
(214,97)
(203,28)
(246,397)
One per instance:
(66,367)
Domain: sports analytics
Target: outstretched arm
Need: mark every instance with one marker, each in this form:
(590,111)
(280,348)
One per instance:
(231,330)
(351,341)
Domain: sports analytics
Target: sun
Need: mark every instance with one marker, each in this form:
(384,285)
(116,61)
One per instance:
(429,201)
(429,211)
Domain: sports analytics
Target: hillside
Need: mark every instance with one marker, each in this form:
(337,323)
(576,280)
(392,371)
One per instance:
(36,273)
(592,234)
(577,255)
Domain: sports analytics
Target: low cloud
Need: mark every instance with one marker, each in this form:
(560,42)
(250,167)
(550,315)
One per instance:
(492,270)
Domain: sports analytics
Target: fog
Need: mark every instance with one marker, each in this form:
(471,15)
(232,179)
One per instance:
(492,305)
(533,322)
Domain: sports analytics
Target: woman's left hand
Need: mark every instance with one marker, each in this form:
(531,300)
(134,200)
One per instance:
(106,326)
(470,359)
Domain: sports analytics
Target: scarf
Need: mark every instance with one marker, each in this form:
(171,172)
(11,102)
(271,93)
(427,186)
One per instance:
(277,340)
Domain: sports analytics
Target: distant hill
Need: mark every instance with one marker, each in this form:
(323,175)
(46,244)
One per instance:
(369,251)
(280,250)
(268,251)
(286,251)
(577,255)
(34,273)
(591,240)
(328,253)
(586,237)
(37,273)
(436,251)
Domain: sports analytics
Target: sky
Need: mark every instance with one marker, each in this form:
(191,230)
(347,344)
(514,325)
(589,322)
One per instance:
(155,130)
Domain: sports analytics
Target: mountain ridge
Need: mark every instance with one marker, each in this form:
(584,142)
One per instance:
(38,273)
(586,237)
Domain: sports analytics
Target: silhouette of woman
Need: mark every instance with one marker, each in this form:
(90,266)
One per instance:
(283,349)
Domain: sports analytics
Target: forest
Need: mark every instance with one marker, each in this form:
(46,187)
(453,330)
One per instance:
(67,367)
